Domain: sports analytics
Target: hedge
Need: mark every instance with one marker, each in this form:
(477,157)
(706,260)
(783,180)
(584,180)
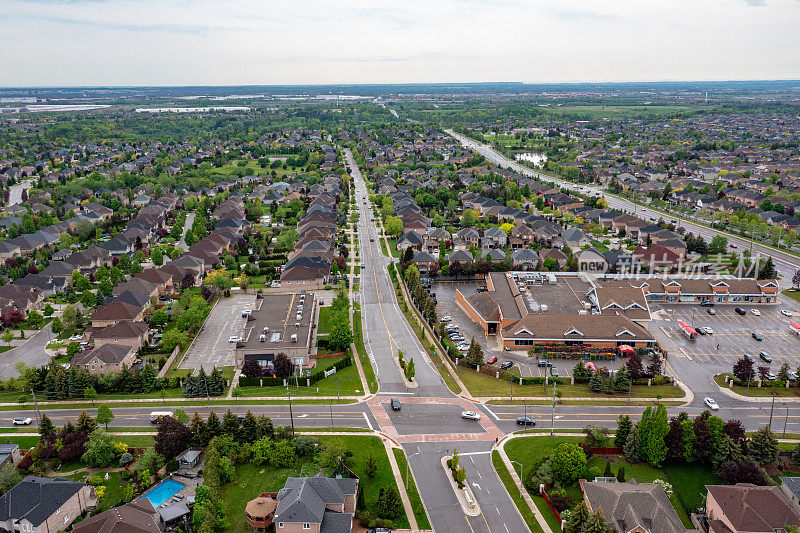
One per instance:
(539,380)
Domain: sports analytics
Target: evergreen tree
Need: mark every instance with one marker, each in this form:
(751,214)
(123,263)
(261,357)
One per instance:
(213,426)
(596,382)
(86,423)
(688,440)
(264,427)
(475,353)
(704,442)
(645,426)
(230,424)
(198,428)
(596,523)
(577,518)
(728,451)
(674,440)
(632,449)
(624,426)
(607,472)
(621,474)
(763,447)
(389,504)
(46,428)
(249,429)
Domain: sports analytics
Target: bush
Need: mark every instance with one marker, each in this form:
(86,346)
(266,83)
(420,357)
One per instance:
(95,480)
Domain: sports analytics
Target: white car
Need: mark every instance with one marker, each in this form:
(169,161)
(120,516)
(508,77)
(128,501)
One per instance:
(234,338)
(707,330)
(470,415)
(76,338)
(786,312)
(711,404)
(756,312)
(446,318)
(22,421)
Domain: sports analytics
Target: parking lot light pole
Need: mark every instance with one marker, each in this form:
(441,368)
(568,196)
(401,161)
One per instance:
(408,460)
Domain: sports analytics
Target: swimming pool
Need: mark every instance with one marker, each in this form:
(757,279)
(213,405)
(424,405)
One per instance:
(162,492)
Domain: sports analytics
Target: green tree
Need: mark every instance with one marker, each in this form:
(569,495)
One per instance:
(46,428)
(474,353)
(652,442)
(727,451)
(624,426)
(173,338)
(719,245)
(7,336)
(89,393)
(763,447)
(181,416)
(596,523)
(569,461)
(99,449)
(688,440)
(410,371)
(159,318)
(389,504)
(577,518)
(371,469)
(393,226)
(104,415)
(9,477)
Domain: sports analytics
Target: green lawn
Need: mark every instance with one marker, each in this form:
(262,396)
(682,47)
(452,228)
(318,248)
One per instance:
(349,384)
(252,480)
(484,385)
(393,247)
(366,365)
(413,493)
(324,318)
(755,390)
(688,481)
(794,295)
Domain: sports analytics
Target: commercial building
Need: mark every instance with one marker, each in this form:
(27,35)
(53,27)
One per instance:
(282,323)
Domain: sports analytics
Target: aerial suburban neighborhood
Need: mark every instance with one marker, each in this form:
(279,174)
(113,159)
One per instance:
(439,310)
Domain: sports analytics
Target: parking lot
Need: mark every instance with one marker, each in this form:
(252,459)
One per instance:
(211,347)
(526,365)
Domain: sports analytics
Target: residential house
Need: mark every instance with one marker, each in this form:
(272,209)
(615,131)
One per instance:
(316,505)
(136,516)
(113,313)
(109,357)
(575,237)
(44,505)
(591,260)
(494,237)
(632,507)
(557,255)
(748,508)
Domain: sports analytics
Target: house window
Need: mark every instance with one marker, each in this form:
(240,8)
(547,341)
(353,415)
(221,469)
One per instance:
(306,526)
(66,519)
(280,525)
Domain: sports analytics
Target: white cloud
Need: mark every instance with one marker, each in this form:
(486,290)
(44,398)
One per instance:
(212,42)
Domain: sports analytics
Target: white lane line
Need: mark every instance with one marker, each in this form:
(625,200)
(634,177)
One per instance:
(491,412)
(394,393)
(475,453)
(368,422)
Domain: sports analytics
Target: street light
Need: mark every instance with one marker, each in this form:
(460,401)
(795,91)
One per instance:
(785,418)
(408,460)
(520,476)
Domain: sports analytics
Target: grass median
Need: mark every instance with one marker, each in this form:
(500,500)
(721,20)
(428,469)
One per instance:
(413,493)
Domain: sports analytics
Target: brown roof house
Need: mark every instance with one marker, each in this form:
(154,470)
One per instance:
(747,508)
(106,358)
(632,507)
(113,313)
(137,516)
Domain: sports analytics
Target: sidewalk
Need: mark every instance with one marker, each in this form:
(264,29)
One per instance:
(398,478)
(518,482)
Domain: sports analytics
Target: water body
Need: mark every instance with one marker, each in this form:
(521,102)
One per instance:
(531,157)
(190,109)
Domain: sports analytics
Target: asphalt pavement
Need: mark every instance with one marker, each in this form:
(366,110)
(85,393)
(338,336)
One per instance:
(31,353)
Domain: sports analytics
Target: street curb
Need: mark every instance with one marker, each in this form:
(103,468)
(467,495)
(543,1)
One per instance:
(461,494)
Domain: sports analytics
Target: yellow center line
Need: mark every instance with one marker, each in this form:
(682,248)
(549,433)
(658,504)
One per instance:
(485,522)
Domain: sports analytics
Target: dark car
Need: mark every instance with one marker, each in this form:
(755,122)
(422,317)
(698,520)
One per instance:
(554,371)
(506,365)
(767,358)
(757,337)
(395,404)
(701,331)
(707,303)
(526,421)
(750,358)
(740,311)
(544,362)
(492,360)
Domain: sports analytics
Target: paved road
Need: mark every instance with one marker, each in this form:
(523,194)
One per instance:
(31,353)
(785,264)
(15,192)
(385,328)
(186,227)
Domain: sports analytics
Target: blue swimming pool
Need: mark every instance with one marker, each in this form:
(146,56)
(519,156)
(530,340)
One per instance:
(162,492)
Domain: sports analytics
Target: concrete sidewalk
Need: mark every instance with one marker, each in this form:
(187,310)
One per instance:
(398,478)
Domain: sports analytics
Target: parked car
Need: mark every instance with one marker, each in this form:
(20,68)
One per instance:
(246,313)
(701,330)
(470,415)
(756,312)
(526,421)
(771,376)
(544,362)
(740,311)
(554,371)
(767,358)
(234,338)
(711,404)
(750,357)
(707,330)
(492,360)
(506,365)
(446,318)
(22,421)
(786,312)
(734,245)
(707,303)
(711,312)
(757,336)
(395,404)
(76,338)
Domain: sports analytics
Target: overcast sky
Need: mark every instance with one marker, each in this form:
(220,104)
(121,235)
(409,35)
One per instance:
(235,42)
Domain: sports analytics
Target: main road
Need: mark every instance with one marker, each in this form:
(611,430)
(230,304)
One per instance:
(785,264)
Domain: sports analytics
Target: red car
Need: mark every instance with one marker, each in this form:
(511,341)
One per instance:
(492,360)
(734,245)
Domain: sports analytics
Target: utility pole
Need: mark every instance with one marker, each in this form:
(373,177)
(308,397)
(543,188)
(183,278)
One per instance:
(771,409)
(785,419)
(336,379)
(36,404)
(291,416)
(208,397)
(553,421)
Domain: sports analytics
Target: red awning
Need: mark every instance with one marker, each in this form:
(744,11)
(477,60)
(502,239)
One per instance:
(687,328)
(625,348)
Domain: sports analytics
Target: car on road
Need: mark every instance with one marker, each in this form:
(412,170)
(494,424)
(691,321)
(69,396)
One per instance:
(372,239)
(22,421)
(756,312)
(246,313)
(740,311)
(711,312)
(363,266)
(506,365)
(395,404)
(234,338)
(525,421)
(470,415)
(701,330)
(757,336)
(492,360)
(767,358)
(446,318)
(379,530)
(544,362)
(711,404)
(786,312)
(734,245)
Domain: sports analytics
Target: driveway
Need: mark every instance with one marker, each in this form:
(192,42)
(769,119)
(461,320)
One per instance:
(211,347)
(31,353)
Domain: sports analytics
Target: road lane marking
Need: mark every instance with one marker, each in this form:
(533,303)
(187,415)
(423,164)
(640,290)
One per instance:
(477,453)
(491,412)
(368,422)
